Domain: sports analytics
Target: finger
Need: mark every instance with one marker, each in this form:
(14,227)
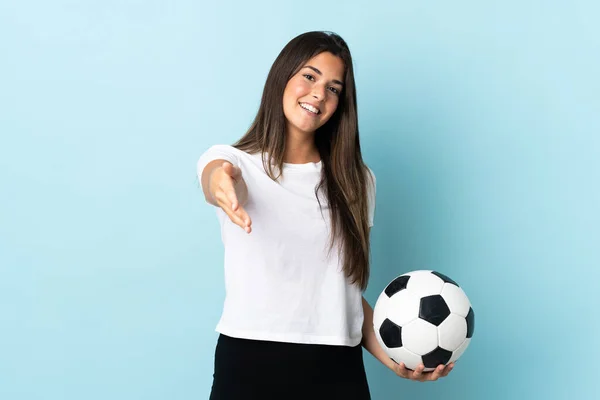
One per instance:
(231,214)
(224,200)
(418,372)
(227,188)
(226,195)
(239,217)
(243,216)
(232,170)
(226,165)
(448,368)
(241,221)
(247,221)
(401,370)
(437,373)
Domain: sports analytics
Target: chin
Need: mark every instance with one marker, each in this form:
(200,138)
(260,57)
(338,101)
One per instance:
(305,128)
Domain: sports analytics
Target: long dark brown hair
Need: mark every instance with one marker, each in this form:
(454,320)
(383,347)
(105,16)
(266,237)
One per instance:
(344,174)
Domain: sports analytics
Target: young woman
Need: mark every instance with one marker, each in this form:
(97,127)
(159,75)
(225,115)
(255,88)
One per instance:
(296,204)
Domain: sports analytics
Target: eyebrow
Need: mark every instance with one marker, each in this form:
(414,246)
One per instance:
(320,73)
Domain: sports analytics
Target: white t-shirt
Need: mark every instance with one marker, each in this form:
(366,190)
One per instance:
(281,282)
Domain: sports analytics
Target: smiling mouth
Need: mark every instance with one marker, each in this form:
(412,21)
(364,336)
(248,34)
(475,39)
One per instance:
(310,108)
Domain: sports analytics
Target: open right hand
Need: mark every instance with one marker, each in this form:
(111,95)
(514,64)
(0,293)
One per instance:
(230,192)
(419,375)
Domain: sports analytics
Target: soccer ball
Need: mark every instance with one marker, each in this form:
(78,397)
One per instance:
(423,317)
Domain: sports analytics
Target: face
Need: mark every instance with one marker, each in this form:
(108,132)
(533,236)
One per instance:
(312,95)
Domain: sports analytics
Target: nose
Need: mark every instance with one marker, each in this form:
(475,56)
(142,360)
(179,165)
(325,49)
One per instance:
(319,92)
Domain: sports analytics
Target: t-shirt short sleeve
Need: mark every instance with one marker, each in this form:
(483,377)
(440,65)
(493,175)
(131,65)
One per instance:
(216,152)
(371,191)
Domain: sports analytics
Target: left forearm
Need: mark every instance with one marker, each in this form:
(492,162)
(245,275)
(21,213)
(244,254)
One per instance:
(369,340)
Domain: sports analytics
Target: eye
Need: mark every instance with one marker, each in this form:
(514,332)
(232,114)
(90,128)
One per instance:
(334,90)
(309,77)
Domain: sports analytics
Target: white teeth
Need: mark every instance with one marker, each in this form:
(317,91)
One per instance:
(309,108)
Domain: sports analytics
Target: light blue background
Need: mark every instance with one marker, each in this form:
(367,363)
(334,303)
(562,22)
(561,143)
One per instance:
(480,119)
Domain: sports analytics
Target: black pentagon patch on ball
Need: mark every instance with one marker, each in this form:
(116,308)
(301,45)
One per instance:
(444,278)
(397,285)
(391,334)
(436,357)
(434,309)
(470,322)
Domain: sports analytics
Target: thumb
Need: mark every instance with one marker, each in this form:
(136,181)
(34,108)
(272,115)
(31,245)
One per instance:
(232,170)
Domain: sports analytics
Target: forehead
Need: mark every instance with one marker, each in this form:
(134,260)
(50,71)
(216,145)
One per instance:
(331,66)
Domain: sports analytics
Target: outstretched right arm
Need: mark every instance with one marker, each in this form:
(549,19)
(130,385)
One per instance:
(224,187)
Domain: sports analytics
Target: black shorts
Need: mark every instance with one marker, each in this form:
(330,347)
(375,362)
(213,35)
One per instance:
(254,369)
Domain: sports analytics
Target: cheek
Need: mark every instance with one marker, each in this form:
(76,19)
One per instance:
(294,92)
(289,94)
(332,104)
(299,87)
(290,99)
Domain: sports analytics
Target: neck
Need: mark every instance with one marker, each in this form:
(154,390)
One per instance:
(300,148)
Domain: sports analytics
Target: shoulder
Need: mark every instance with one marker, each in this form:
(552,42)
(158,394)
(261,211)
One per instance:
(371,183)
(371,193)
(248,162)
(225,151)
(223,148)
(370,171)
(217,152)
(371,179)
